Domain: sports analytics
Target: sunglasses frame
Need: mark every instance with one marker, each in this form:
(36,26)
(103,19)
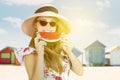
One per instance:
(44,23)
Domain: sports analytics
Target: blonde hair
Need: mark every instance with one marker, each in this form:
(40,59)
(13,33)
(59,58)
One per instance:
(52,56)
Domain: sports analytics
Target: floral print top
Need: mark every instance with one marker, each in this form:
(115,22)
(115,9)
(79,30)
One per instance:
(49,74)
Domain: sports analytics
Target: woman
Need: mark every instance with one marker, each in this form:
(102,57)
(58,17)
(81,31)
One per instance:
(48,60)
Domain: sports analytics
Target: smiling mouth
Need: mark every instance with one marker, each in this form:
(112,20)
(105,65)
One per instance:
(47,31)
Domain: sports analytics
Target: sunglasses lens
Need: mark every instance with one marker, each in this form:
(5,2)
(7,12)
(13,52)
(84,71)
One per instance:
(52,24)
(43,23)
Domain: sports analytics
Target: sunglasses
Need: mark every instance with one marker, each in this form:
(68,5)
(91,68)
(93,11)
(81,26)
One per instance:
(44,23)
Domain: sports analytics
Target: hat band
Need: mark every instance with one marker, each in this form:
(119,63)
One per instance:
(47,8)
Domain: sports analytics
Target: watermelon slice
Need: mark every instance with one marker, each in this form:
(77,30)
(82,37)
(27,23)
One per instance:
(50,36)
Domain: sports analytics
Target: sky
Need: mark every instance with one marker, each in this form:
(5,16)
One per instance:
(90,20)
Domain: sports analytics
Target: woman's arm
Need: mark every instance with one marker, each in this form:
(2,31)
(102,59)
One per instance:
(38,73)
(35,62)
(76,64)
(30,65)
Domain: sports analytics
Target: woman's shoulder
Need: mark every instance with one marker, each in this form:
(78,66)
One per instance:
(21,52)
(24,50)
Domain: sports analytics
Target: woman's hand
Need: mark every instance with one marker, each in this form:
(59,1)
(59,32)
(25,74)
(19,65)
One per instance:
(39,44)
(66,44)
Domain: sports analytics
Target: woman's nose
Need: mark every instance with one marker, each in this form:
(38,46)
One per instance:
(48,25)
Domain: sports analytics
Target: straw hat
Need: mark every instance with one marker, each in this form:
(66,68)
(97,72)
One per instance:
(45,10)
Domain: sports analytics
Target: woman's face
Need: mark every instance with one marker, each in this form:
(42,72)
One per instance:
(46,24)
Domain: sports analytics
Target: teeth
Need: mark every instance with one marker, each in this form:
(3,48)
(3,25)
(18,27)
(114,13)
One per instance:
(47,31)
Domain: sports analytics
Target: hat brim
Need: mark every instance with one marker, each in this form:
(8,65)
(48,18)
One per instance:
(27,25)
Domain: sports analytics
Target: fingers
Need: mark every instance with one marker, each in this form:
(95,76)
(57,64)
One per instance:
(37,38)
(42,43)
(38,35)
(66,44)
(65,40)
(64,37)
(39,42)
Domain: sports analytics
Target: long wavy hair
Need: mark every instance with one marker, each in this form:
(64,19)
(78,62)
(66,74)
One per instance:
(52,52)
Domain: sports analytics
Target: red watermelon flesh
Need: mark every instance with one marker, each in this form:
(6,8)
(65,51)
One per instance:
(50,36)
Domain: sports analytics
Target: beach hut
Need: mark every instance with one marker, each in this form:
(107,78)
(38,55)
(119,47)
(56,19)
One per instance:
(115,56)
(7,56)
(95,54)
